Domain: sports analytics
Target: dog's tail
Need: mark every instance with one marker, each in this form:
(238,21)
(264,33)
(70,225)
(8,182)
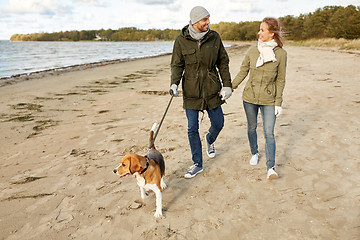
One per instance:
(152,135)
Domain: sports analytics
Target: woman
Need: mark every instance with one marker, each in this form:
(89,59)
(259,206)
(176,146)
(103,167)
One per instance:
(266,63)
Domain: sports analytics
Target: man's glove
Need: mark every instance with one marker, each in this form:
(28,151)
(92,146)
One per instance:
(278,111)
(225,93)
(173,90)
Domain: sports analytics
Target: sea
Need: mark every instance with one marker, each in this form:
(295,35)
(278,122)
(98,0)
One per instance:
(21,58)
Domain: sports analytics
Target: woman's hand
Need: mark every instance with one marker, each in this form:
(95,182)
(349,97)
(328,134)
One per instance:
(278,111)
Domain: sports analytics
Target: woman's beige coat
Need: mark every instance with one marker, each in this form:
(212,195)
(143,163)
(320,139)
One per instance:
(266,83)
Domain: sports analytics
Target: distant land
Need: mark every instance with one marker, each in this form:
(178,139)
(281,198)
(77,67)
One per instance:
(326,22)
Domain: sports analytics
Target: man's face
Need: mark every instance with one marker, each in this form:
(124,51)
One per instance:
(202,25)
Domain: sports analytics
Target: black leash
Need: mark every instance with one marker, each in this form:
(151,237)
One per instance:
(157,131)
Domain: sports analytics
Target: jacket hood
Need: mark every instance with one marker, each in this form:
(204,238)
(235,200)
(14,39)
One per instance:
(185,32)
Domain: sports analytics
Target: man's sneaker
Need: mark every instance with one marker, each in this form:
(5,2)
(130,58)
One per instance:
(254,159)
(210,149)
(271,174)
(193,170)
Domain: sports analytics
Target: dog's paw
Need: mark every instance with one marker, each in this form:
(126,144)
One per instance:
(163,184)
(158,214)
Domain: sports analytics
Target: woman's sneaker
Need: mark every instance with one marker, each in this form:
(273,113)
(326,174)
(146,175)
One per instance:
(193,171)
(210,148)
(271,174)
(254,159)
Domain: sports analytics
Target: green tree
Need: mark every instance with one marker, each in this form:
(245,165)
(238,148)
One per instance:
(345,23)
(75,36)
(316,23)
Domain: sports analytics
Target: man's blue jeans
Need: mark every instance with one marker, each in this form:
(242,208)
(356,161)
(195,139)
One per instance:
(268,116)
(217,123)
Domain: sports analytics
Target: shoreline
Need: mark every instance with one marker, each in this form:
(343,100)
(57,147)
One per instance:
(5,81)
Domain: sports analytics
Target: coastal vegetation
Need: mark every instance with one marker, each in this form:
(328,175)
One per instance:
(341,43)
(327,22)
(122,34)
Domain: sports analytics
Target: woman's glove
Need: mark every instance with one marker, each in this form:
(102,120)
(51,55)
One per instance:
(173,90)
(278,111)
(225,93)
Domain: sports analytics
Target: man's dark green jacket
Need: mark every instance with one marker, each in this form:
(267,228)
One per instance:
(198,64)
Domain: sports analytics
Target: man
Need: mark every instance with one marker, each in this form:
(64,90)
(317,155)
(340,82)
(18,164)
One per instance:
(198,58)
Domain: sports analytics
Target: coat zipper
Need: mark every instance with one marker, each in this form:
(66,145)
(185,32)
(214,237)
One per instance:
(201,77)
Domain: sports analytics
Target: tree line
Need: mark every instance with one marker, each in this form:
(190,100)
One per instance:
(326,22)
(122,34)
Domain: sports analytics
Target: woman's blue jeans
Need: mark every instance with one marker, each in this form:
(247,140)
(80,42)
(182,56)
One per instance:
(217,123)
(268,117)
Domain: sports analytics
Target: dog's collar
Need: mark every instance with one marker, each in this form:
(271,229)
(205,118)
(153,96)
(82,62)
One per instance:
(147,164)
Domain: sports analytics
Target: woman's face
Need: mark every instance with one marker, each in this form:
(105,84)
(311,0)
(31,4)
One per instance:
(264,34)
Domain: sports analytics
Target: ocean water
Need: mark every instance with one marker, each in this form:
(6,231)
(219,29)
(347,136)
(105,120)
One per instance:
(27,57)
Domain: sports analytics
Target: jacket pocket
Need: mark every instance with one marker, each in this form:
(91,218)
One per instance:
(191,88)
(214,85)
(271,89)
(248,92)
(189,56)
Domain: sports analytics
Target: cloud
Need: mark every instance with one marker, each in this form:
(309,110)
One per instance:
(45,7)
(348,2)
(95,3)
(252,6)
(153,2)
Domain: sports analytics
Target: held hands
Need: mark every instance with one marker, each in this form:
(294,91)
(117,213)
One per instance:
(173,90)
(278,111)
(225,93)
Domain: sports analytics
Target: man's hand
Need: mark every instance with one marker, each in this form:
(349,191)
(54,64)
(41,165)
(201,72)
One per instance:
(173,90)
(225,93)
(278,111)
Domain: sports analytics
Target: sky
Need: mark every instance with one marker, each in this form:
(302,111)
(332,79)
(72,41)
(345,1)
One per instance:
(35,16)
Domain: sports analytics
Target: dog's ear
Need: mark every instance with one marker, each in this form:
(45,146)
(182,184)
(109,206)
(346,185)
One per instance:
(135,164)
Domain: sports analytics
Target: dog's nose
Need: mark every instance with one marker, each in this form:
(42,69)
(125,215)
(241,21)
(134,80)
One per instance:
(115,171)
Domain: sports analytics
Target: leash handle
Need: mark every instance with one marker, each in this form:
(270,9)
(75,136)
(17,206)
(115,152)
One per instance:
(162,119)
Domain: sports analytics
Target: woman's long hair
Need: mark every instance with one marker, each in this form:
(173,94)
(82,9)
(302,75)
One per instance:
(274,27)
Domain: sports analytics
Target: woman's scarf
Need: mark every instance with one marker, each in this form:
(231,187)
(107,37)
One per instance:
(266,50)
(195,34)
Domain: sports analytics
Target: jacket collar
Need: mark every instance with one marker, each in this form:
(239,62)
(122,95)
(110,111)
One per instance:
(185,33)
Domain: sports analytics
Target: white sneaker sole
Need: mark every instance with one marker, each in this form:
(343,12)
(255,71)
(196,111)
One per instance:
(187,176)
(273,176)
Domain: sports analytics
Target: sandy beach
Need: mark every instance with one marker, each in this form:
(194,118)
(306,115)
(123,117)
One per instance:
(63,133)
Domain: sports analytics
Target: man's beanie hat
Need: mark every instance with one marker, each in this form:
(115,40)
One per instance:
(198,13)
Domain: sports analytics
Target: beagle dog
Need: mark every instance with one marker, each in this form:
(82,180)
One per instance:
(149,171)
